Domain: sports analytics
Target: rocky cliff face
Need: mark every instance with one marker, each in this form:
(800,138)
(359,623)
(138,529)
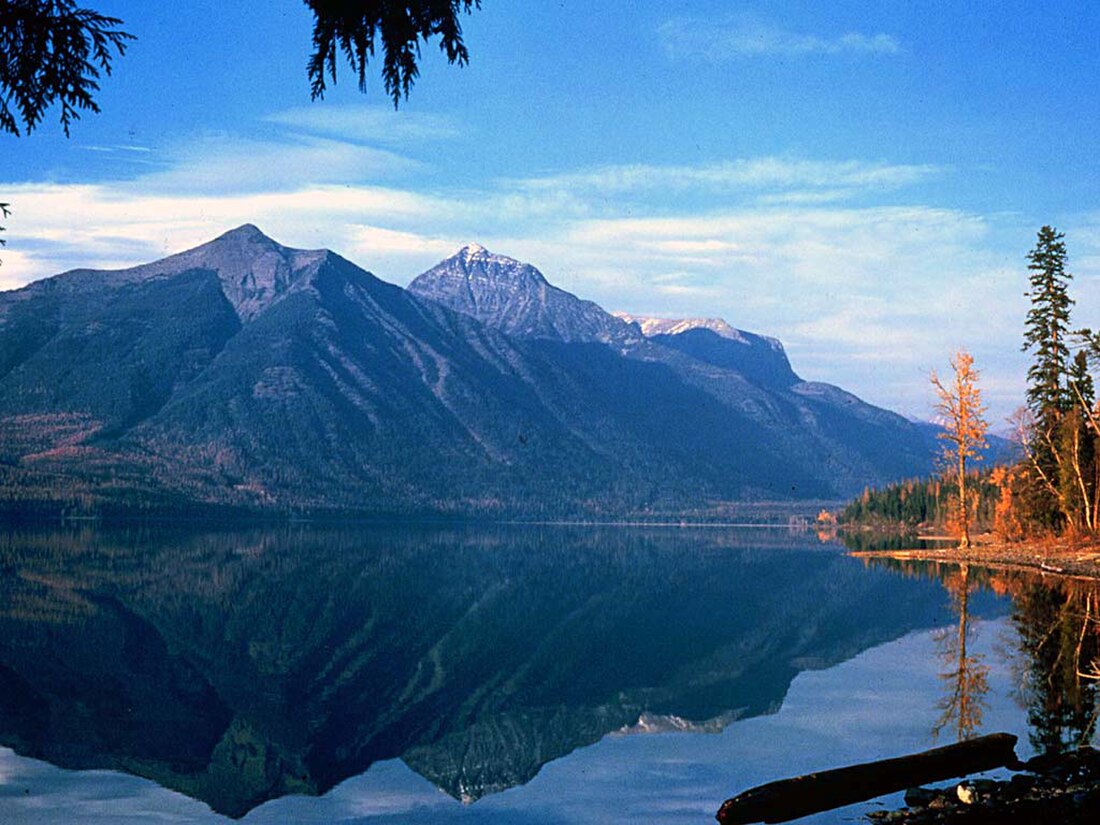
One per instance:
(515,298)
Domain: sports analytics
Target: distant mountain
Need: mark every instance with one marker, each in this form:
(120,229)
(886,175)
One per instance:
(713,341)
(244,374)
(832,437)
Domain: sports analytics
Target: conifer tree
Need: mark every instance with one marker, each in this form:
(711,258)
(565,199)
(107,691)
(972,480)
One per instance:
(1082,389)
(1046,330)
(1049,393)
(4,212)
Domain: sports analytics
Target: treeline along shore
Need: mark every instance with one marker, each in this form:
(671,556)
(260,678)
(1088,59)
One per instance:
(1041,507)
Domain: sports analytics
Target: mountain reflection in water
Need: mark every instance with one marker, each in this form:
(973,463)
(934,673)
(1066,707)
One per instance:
(239,666)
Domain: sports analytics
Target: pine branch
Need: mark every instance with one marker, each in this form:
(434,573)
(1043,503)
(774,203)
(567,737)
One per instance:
(53,53)
(351,28)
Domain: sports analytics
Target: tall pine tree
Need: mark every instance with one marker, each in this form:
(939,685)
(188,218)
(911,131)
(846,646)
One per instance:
(1049,394)
(1047,328)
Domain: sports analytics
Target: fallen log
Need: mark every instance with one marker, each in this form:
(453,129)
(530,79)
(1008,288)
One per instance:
(822,791)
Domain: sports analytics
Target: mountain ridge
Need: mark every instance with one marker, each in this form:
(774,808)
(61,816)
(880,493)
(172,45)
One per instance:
(246,374)
(465,652)
(652,326)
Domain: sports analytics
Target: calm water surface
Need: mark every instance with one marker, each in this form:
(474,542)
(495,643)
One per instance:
(497,675)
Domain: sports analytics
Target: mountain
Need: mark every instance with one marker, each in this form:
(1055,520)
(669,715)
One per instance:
(714,341)
(244,374)
(516,298)
(674,326)
(837,442)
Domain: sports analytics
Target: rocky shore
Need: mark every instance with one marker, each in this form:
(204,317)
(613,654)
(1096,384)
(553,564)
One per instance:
(1062,788)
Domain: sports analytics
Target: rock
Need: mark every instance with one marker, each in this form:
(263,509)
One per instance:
(1063,790)
(976,791)
(1042,763)
(919,797)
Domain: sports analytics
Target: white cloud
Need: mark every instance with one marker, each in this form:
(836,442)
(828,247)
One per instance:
(108,226)
(720,41)
(13,264)
(823,248)
(218,163)
(114,149)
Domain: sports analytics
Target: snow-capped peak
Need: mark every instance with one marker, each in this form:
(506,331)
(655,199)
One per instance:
(476,254)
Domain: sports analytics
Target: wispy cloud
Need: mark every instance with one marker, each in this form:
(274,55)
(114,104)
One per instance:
(720,41)
(113,225)
(832,179)
(119,148)
(220,162)
(367,123)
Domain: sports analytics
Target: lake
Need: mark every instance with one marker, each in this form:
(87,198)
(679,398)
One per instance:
(498,674)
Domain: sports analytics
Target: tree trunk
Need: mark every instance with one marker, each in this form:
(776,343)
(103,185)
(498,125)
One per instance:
(964,514)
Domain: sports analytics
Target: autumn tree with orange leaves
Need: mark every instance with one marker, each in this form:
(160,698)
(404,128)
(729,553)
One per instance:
(960,408)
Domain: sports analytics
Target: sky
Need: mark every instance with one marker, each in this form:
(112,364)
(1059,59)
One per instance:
(861,179)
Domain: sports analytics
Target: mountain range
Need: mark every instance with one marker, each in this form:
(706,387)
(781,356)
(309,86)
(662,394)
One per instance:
(245,375)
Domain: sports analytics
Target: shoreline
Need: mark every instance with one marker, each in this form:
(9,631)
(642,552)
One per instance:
(1057,788)
(1059,557)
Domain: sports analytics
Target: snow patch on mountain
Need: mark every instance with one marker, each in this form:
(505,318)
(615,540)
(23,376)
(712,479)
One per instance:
(651,326)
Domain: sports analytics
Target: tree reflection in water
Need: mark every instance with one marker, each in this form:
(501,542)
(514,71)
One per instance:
(240,665)
(1059,633)
(1056,658)
(967,677)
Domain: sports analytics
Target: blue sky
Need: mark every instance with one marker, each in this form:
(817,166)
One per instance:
(860,179)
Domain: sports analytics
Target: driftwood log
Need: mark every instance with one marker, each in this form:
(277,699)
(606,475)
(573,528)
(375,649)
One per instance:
(804,795)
